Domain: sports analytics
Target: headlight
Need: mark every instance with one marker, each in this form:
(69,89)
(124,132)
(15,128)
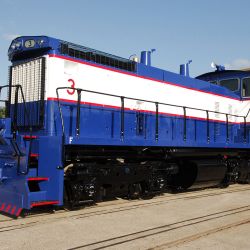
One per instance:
(18,44)
(40,42)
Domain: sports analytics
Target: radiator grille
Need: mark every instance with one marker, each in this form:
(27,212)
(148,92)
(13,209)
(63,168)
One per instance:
(31,76)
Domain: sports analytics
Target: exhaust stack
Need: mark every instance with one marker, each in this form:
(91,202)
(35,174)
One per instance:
(184,69)
(146,57)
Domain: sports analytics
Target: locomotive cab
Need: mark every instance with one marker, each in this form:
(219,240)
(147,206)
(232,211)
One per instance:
(237,81)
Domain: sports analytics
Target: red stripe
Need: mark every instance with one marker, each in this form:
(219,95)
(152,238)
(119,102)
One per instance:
(143,77)
(7,208)
(38,179)
(18,212)
(87,103)
(94,65)
(13,210)
(34,155)
(146,111)
(2,207)
(44,203)
(29,137)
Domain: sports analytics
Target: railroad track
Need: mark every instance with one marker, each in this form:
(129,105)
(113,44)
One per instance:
(111,207)
(200,235)
(135,236)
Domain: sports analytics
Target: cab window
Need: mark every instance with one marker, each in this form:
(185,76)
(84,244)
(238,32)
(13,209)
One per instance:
(246,87)
(231,84)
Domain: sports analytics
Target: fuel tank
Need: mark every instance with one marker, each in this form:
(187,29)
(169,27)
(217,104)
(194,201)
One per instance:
(199,174)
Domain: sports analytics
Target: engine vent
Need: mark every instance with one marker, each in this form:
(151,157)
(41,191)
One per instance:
(96,56)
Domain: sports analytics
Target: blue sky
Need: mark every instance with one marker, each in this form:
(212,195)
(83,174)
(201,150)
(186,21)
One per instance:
(179,30)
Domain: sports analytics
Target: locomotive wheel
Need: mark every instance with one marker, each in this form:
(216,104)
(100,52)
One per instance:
(224,185)
(67,199)
(134,191)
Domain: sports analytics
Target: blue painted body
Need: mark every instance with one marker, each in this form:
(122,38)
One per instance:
(100,126)
(15,194)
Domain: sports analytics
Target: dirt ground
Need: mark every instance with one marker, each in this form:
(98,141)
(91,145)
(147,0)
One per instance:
(204,219)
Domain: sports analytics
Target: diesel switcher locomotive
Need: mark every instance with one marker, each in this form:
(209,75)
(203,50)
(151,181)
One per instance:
(83,125)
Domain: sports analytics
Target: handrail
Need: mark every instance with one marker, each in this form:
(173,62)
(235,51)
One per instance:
(185,124)
(227,128)
(208,129)
(78,113)
(27,113)
(122,117)
(156,121)
(245,130)
(123,98)
(247,113)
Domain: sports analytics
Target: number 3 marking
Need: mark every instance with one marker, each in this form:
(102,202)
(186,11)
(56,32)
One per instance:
(72,91)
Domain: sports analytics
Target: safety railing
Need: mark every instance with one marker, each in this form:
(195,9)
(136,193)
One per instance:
(122,110)
(18,88)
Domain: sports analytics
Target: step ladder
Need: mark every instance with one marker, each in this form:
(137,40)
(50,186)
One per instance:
(37,189)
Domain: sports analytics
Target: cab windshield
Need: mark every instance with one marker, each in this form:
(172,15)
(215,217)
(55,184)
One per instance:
(246,87)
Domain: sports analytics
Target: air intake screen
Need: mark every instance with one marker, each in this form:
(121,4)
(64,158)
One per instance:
(96,56)
(31,76)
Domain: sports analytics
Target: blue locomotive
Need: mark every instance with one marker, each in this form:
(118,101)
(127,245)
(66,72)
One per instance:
(86,125)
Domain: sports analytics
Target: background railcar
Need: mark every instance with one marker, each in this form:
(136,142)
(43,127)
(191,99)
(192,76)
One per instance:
(86,125)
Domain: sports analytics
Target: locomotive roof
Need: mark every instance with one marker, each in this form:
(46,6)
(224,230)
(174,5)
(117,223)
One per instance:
(224,73)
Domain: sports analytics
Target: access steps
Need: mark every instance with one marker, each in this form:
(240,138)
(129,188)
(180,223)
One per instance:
(37,188)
